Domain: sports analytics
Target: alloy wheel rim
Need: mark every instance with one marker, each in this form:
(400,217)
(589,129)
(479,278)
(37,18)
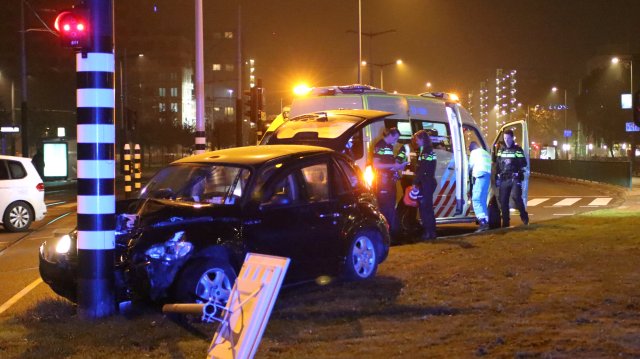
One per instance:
(364,256)
(19,216)
(214,285)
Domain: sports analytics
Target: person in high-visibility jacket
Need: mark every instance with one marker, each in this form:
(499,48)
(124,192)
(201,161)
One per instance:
(386,168)
(480,171)
(512,164)
(425,182)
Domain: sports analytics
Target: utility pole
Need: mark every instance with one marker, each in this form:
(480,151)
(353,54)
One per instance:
(239,105)
(201,140)
(95,67)
(23,88)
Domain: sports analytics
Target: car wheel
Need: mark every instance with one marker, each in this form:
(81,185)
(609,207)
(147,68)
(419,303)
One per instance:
(17,217)
(205,279)
(362,256)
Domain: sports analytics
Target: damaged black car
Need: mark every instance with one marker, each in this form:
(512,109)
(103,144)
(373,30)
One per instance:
(185,238)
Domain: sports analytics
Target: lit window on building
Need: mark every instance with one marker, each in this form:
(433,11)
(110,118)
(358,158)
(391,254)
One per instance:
(228,111)
(161,107)
(174,107)
(174,92)
(216,67)
(216,109)
(229,67)
(228,34)
(162,92)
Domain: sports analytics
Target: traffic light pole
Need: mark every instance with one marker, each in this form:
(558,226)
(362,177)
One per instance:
(96,166)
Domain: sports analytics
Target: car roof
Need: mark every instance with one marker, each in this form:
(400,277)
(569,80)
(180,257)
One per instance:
(253,155)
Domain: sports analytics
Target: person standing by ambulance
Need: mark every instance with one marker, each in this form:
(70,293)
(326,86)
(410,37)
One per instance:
(386,168)
(480,171)
(512,164)
(425,182)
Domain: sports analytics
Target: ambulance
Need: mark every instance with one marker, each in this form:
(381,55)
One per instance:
(449,124)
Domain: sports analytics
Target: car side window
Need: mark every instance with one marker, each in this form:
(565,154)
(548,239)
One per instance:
(350,173)
(316,180)
(285,191)
(17,170)
(4,173)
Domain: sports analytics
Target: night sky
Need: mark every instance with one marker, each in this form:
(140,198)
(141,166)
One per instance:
(453,44)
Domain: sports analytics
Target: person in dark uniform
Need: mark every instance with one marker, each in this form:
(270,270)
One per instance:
(512,164)
(425,182)
(386,168)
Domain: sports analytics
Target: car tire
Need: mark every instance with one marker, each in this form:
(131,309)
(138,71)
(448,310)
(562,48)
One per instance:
(205,278)
(363,255)
(17,217)
(494,213)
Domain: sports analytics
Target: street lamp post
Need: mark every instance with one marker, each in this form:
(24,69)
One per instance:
(382,66)
(616,60)
(370,35)
(566,139)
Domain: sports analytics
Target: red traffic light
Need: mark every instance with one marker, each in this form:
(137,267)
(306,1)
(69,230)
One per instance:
(73,29)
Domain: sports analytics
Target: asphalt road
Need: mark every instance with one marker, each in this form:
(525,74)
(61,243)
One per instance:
(21,287)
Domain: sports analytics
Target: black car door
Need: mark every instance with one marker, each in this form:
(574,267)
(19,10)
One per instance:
(297,219)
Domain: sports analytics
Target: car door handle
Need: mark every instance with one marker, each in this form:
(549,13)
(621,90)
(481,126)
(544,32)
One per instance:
(329,215)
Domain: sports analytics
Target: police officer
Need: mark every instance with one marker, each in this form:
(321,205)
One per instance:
(425,182)
(480,171)
(386,168)
(512,164)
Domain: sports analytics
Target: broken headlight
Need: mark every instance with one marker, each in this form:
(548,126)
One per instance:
(171,250)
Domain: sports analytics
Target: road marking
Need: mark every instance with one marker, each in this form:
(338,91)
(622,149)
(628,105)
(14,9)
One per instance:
(602,201)
(56,203)
(535,202)
(567,202)
(19,296)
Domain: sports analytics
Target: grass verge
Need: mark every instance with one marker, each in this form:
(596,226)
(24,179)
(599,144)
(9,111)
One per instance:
(564,288)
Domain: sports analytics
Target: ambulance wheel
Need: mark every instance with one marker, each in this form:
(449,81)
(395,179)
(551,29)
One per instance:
(494,213)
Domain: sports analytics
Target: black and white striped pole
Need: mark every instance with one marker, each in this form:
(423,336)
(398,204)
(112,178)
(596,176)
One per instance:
(126,167)
(137,167)
(96,165)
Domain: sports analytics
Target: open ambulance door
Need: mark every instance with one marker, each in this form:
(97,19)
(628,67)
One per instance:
(521,137)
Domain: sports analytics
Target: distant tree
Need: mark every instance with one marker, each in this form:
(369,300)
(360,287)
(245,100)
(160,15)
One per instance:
(598,108)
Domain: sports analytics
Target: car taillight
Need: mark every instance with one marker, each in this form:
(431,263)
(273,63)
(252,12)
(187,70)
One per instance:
(40,187)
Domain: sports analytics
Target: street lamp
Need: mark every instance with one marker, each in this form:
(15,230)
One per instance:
(615,60)
(382,66)
(554,89)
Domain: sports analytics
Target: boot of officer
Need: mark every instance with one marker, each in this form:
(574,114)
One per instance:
(512,164)
(386,167)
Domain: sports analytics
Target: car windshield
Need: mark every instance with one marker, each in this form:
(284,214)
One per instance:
(199,183)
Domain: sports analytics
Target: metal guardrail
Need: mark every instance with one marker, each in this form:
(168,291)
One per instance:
(615,173)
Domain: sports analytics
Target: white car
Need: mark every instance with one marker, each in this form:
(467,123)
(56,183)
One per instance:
(21,194)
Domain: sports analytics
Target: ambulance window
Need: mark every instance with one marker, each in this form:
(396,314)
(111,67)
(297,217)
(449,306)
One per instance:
(439,132)
(403,126)
(393,104)
(471,134)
